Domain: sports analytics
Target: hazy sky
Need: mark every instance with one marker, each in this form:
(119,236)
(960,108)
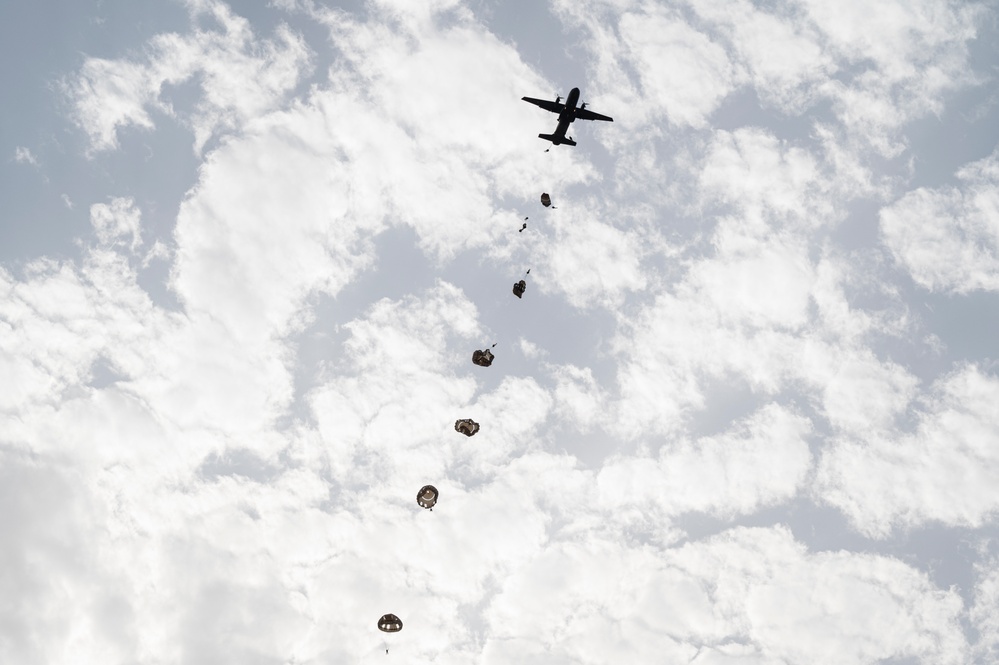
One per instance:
(746,412)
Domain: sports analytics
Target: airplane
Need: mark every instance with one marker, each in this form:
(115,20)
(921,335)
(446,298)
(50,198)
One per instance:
(566,114)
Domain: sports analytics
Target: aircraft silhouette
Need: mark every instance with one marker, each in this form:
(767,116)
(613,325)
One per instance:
(567,113)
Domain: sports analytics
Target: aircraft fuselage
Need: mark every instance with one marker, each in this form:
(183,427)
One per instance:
(565,118)
(568,114)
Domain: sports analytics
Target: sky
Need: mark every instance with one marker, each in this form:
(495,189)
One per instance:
(747,411)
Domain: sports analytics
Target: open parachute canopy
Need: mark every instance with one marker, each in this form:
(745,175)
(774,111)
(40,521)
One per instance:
(545,199)
(390,623)
(466,426)
(427,498)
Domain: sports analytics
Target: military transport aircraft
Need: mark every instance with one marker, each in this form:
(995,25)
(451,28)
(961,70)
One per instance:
(566,114)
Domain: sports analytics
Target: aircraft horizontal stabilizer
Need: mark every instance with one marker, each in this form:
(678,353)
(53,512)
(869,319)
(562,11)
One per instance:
(557,139)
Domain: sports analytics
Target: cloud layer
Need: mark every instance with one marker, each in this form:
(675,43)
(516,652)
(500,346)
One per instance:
(715,341)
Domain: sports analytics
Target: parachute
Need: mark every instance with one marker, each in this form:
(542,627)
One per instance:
(483,358)
(546,200)
(427,498)
(467,426)
(519,288)
(390,623)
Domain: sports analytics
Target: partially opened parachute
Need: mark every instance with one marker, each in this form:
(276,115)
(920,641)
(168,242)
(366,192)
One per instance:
(466,426)
(483,358)
(546,200)
(427,498)
(390,623)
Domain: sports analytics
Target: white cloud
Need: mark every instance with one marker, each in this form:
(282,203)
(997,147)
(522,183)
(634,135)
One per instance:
(750,592)
(530,349)
(770,309)
(761,315)
(753,283)
(108,95)
(860,392)
(764,43)
(239,77)
(982,613)
(879,69)
(156,467)
(760,462)
(63,319)
(948,237)
(578,397)
(24,155)
(411,370)
(51,569)
(592,262)
(402,393)
(60,320)
(734,313)
(946,470)
(255,236)
(681,70)
(768,182)
(631,42)
(111,506)
(117,220)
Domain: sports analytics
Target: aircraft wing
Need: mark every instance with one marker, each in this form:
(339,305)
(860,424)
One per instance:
(583,114)
(546,104)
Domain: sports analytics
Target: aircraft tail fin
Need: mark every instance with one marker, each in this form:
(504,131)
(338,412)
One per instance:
(557,139)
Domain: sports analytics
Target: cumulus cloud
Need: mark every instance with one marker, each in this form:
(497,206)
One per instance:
(945,470)
(593,262)
(51,568)
(403,372)
(201,489)
(60,319)
(762,316)
(948,237)
(983,613)
(758,284)
(761,461)
(630,47)
(879,70)
(746,595)
(767,182)
(860,391)
(699,75)
(764,42)
(240,77)
(748,314)
(579,398)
